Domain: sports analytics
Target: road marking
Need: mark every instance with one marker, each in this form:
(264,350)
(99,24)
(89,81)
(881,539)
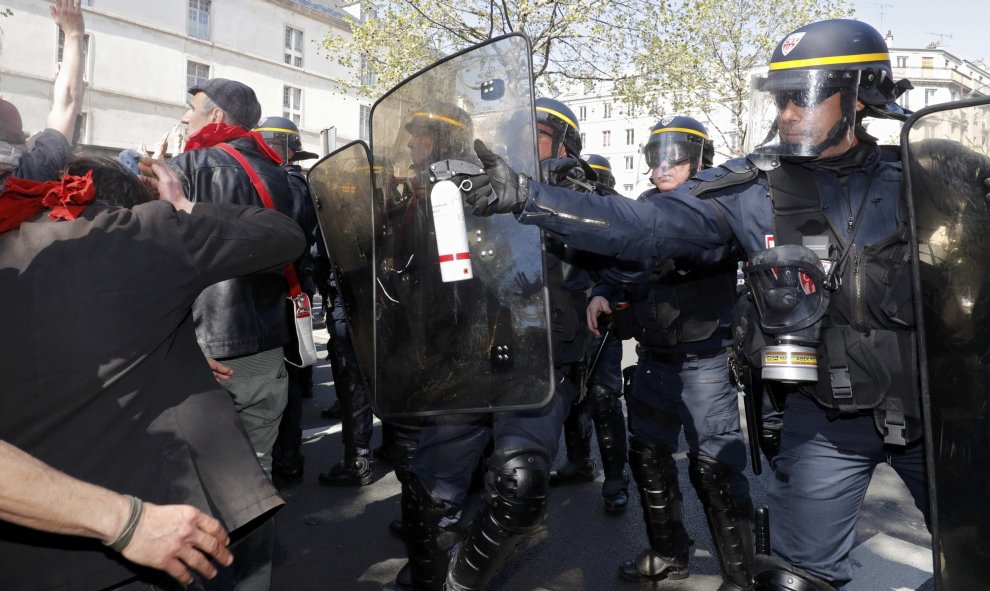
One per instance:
(885,563)
(316,433)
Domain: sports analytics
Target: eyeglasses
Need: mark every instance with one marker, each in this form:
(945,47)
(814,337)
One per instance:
(804,97)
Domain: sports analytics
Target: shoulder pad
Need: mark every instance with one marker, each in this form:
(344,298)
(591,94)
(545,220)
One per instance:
(731,173)
(890,153)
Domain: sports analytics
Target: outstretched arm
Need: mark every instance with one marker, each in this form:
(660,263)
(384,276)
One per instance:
(68,93)
(173,538)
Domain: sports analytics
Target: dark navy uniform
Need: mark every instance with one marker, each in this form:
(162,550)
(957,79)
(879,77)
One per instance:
(816,478)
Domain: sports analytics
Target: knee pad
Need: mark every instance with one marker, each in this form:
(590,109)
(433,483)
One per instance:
(712,479)
(773,574)
(522,480)
(604,401)
(652,464)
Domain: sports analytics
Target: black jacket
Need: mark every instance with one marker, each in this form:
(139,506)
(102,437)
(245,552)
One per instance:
(245,315)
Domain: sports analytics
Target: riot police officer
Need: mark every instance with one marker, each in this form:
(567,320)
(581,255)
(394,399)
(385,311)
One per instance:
(524,442)
(817,182)
(283,136)
(602,168)
(600,405)
(682,318)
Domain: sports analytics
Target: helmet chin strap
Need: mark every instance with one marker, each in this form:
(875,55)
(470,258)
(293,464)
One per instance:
(835,135)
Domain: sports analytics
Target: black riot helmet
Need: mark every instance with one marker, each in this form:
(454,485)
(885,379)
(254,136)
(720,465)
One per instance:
(809,66)
(602,167)
(678,140)
(449,128)
(564,123)
(281,133)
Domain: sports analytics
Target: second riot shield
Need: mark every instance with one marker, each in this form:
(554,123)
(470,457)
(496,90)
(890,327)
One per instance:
(946,155)
(461,317)
(343,190)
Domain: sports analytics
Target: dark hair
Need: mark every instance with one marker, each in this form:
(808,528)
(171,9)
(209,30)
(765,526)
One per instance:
(114,183)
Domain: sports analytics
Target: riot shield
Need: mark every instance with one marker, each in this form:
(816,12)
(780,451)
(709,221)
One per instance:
(461,317)
(342,188)
(946,156)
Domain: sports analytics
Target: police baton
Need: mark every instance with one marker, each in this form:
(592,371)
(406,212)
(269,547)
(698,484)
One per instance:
(742,379)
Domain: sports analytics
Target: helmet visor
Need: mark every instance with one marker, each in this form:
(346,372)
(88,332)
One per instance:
(674,148)
(801,113)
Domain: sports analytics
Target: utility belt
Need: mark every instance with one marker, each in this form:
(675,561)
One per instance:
(676,357)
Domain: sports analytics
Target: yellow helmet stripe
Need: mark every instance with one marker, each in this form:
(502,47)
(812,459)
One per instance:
(559,116)
(600,167)
(830,61)
(277,130)
(680,129)
(429,115)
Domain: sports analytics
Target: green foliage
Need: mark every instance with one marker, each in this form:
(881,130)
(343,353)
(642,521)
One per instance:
(662,57)
(583,40)
(701,63)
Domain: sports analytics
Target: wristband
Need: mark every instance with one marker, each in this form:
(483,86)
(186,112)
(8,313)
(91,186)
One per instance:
(124,537)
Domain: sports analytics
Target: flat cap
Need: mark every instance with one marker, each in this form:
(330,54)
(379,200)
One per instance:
(235,98)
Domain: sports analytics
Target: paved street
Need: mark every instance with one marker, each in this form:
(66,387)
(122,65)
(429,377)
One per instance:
(337,538)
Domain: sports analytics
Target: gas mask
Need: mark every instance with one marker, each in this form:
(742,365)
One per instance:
(788,286)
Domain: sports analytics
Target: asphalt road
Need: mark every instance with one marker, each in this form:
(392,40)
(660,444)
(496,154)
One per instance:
(337,538)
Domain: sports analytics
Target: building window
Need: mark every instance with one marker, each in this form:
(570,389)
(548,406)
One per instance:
(85,55)
(627,188)
(199,19)
(365,123)
(367,76)
(292,104)
(293,47)
(929,96)
(902,61)
(629,162)
(584,139)
(606,139)
(630,137)
(607,114)
(196,74)
(927,62)
(904,101)
(582,113)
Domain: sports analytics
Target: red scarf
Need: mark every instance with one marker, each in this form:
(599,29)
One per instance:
(22,199)
(217,133)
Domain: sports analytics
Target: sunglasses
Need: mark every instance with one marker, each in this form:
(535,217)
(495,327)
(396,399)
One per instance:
(803,98)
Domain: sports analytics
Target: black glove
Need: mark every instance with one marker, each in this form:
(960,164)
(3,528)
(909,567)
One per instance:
(566,173)
(500,189)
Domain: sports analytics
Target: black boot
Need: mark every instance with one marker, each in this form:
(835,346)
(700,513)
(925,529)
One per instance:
(356,471)
(579,466)
(610,426)
(655,472)
(730,519)
(516,510)
(428,543)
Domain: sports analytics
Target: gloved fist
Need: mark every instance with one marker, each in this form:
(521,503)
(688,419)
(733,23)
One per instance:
(500,189)
(566,173)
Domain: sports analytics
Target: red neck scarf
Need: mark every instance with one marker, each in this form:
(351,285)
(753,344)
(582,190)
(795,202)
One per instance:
(21,199)
(217,133)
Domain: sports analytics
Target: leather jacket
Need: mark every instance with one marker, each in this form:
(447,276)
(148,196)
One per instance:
(246,315)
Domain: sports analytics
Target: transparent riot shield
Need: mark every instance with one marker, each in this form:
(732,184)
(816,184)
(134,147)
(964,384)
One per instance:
(946,155)
(344,191)
(461,317)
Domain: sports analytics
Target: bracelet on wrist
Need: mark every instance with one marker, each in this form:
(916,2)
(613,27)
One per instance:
(124,537)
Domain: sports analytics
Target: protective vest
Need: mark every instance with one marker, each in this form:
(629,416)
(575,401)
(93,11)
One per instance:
(867,360)
(677,308)
(568,286)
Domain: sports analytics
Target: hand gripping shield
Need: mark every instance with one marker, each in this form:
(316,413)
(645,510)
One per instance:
(461,322)
(946,158)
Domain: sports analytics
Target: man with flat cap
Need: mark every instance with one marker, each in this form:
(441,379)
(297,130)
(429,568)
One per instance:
(241,323)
